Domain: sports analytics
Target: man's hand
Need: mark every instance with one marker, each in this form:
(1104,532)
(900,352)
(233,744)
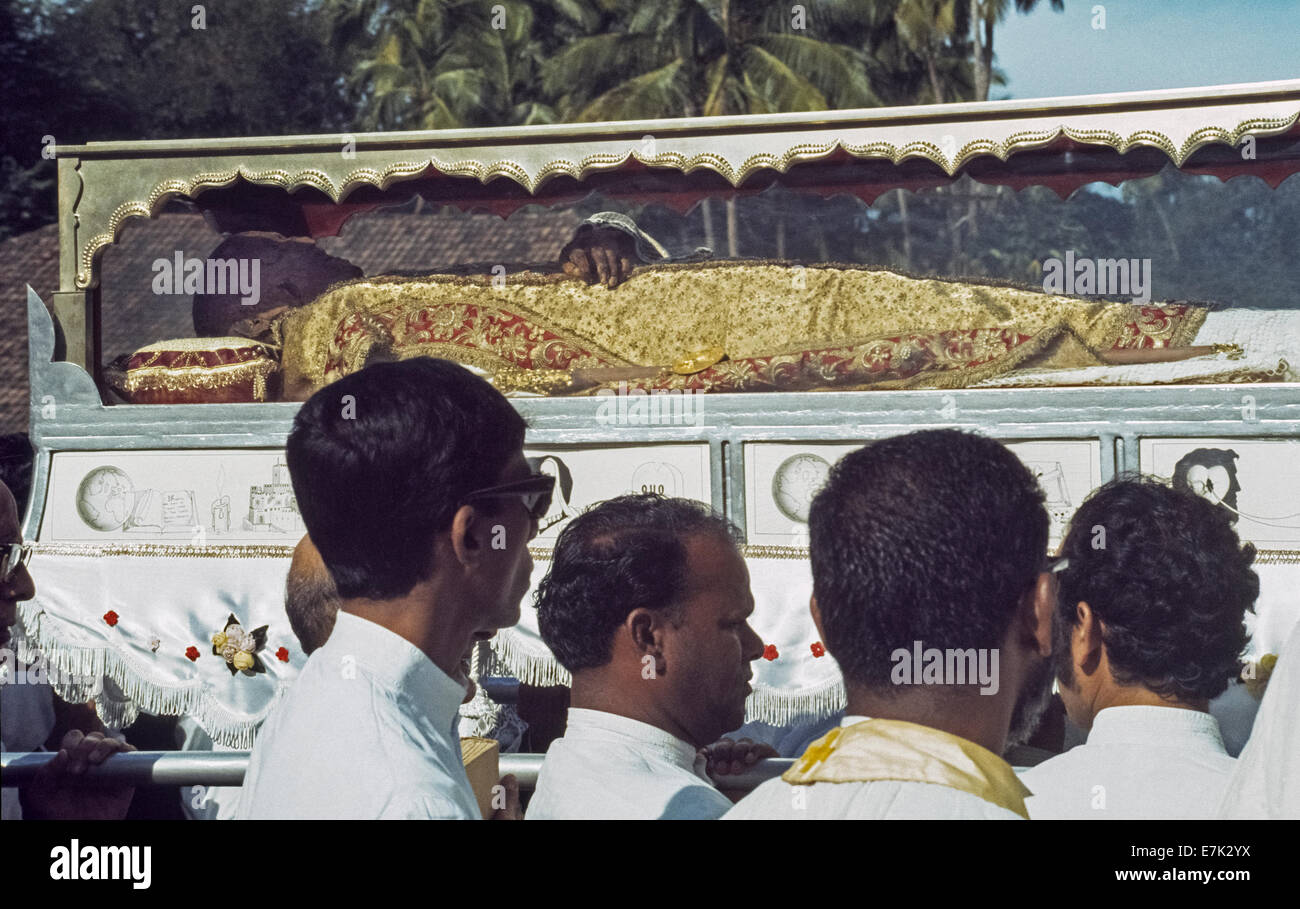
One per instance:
(61,790)
(602,255)
(511,811)
(728,757)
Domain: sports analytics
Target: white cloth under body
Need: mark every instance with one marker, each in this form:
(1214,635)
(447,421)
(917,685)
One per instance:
(1265,783)
(1269,340)
(367,731)
(876,800)
(611,767)
(1138,763)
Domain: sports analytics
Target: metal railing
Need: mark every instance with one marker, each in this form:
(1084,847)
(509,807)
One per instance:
(226,768)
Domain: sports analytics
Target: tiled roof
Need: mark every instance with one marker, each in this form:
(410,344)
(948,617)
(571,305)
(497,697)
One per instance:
(30,258)
(134,316)
(381,242)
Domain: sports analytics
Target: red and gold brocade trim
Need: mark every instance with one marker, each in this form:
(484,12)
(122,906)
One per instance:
(468,332)
(893,359)
(1164,325)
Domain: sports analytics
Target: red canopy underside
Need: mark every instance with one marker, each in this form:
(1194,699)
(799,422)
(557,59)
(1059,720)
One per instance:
(1063,167)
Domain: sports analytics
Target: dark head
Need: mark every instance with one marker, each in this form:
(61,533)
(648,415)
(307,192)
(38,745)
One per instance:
(932,536)
(1153,598)
(383,464)
(937,537)
(647,603)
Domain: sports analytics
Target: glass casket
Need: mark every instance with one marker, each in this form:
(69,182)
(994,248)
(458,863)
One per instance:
(1105,283)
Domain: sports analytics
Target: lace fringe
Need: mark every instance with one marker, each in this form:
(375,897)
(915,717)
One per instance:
(514,655)
(72,672)
(791,708)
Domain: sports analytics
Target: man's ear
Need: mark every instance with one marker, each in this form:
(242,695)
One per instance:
(1086,640)
(469,535)
(1039,607)
(645,630)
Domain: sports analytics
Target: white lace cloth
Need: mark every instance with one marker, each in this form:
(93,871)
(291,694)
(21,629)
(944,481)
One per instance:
(1270,339)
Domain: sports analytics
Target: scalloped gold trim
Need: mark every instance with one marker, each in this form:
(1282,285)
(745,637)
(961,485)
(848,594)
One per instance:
(1206,135)
(804,151)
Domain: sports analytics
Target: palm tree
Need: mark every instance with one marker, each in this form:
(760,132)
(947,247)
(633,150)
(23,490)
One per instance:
(984,14)
(688,58)
(926,27)
(440,64)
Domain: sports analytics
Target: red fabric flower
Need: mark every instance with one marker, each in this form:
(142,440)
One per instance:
(282,654)
(110,617)
(192,652)
(769,652)
(818,649)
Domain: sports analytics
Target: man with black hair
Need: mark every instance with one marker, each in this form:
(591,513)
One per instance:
(412,483)
(933,592)
(1148,629)
(646,604)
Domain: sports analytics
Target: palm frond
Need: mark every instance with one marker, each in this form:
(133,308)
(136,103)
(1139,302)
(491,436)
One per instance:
(589,66)
(784,88)
(658,93)
(838,72)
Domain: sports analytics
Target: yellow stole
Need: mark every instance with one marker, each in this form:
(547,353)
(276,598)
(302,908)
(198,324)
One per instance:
(911,753)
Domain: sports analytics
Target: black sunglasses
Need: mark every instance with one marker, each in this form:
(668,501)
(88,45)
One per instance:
(535,492)
(12,557)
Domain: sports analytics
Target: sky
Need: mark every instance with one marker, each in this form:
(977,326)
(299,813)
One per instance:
(1146,44)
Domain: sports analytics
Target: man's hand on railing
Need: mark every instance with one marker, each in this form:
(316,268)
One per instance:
(61,791)
(726,756)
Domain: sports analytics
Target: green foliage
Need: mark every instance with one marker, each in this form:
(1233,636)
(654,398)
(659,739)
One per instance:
(88,70)
(446,64)
(674,58)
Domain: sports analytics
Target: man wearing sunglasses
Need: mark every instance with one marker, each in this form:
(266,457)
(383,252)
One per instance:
(412,482)
(61,791)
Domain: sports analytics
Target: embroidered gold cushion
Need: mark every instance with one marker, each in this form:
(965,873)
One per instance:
(197,371)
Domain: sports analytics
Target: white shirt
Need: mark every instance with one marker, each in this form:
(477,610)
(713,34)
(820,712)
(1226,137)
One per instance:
(367,731)
(610,767)
(1138,763)
(26,721)
(1265,783)
(876,800)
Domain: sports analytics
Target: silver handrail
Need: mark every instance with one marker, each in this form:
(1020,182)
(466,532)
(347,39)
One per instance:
(227,768)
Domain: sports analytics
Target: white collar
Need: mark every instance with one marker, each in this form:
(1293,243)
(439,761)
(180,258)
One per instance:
(398,665)
(588,724)
(1152,725)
